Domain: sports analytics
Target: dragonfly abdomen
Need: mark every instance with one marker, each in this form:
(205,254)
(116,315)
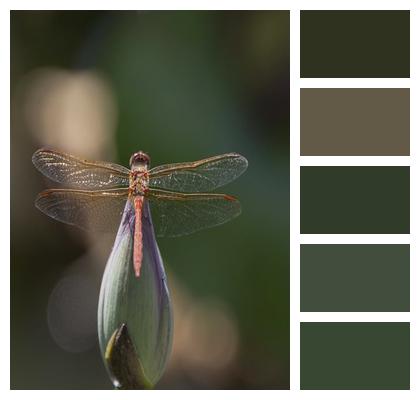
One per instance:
(138,235)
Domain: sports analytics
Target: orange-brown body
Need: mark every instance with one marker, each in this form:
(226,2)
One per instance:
(138,235)
(139,181)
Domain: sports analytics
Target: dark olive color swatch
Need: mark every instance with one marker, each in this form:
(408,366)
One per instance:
(355,277)
(355,355)
(355,122)
(355,44)
(359,200)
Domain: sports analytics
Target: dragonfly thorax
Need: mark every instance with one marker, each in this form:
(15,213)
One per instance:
(139,177)
(139,182)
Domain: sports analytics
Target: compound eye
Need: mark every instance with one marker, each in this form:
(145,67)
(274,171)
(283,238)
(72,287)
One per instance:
(144,158)
(140,158)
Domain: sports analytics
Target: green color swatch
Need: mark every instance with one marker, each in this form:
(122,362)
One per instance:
(355,355)
(362,200)
(355,44)
(355,277)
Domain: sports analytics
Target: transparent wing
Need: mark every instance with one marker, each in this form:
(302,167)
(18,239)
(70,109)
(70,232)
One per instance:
(89,210)
(78,173)
(176,214)
(198,176)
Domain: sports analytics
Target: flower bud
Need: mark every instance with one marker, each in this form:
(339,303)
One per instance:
(135,314)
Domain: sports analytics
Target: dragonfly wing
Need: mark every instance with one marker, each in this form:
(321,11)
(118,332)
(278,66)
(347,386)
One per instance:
(78,173)
(89,210)
(176,214)
(198,176)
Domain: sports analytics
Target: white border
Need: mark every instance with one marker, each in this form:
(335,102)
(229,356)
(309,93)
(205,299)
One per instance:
(354,83)
(294,199)
(5,199)
(354,161)
(414,199)
(355,239)
(354,316)
(211,5)
(295,162)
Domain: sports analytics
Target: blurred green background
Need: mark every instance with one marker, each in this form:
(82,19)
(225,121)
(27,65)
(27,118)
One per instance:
(180,85)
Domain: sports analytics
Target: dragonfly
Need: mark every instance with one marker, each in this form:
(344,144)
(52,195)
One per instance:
(177,194)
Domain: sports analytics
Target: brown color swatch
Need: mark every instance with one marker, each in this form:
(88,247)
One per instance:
(355,122)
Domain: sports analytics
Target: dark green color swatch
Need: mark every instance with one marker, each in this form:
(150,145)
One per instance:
(355,44)
(355,355)
(355,277)
(354,200)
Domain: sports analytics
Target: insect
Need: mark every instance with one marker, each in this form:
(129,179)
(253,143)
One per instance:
(177,193)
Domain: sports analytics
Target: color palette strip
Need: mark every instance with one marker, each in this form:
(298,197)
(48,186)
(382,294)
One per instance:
(355,355)
(355,122)
(355,278)
(361,200)
(355,44)
(345,121)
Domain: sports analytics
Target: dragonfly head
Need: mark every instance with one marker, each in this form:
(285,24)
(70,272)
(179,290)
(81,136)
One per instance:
(139,160)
